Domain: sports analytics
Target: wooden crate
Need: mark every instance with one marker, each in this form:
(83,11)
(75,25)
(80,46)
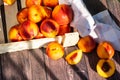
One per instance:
(9,19)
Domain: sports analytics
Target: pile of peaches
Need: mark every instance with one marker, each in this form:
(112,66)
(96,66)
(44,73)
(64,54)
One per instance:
(47,18)
(40,19)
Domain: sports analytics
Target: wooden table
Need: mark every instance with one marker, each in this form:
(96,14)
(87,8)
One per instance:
(34,64)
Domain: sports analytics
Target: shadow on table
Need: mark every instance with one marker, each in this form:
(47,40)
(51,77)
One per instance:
(41,62)
(11,70)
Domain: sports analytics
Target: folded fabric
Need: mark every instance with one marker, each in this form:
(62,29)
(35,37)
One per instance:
(100,26)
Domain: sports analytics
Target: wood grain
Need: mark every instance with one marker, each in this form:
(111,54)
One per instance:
(114,9)
(24,65)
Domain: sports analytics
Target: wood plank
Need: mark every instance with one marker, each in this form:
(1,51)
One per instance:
(61,70)
(24,65)
(104,2)
(23,3)
(10,15)
(1,29)
(114,9)
(37,62)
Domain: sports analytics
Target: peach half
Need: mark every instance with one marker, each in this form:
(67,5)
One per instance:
(105,68)
(55,50)
(22,15)
(14,35)
(62,14)
(74,57)
(86,44)
(49,28)
(33,2)
(28,30)
(105,50)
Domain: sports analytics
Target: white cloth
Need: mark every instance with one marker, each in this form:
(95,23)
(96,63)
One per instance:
(100,26)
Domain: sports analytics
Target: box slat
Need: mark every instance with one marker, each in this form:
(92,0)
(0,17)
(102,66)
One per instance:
(10,15)
(1,30)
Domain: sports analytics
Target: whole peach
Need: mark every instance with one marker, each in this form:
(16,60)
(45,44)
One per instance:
(55,50)
(50,3)
(34,13)
(14,35)
(105,50)
(86,44)
(22,15)
(62,14)
(9,2)
(33,2)
(28,30)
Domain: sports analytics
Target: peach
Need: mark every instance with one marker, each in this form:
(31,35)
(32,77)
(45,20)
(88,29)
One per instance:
(9,2)
(49,28)
(105,68)
(29,3)
(62,14)
(105,50)
(64,29)
(74,57)
(28,30)
(22,15)
(34,13)
(86,44)
(54,50)
(14,35)
(50,3)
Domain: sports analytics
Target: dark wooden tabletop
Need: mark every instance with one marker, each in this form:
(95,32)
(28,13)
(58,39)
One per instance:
(34,64)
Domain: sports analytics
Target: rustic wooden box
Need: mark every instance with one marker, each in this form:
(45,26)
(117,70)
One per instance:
(8,19)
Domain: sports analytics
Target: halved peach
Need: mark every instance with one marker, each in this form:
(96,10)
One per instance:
(14,35)
(49,28)
(62,14)
(74,57)
(28,30)
(105,68)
